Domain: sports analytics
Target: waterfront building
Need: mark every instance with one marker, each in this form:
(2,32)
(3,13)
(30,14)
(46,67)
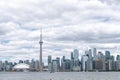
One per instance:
(89,65)
(36,65)
(71,64)
(113,62)
(67,65)
(32,65)
(63,63)
(1,66)
(99,65)
(63,66)
(117,65)
(58,63)
(110,67)
(49,66)
(54,66)
(50,63)
(83,61)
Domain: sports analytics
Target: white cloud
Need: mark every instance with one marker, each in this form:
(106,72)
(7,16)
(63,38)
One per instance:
(67,24)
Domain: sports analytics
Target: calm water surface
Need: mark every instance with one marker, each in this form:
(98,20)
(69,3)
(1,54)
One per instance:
(60,76)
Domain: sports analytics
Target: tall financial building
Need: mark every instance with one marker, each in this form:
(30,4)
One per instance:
(54,66)
(107,55)
(83,60)
(89,53)
(49,59)
(76,54)
(1,64)
(50,63)
(89,65)
(58,63)
(76,57)
(118,57)
(72,57)
(94,52)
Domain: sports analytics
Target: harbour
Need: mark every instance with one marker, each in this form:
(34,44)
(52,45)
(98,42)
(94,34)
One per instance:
(59,76)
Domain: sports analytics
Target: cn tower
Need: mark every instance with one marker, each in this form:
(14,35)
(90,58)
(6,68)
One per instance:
(40,57)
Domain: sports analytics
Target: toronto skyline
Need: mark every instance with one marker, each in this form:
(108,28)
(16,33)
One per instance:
(59,39)
(66,25)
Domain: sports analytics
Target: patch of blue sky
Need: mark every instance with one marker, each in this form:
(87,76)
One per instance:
(3,58)
(26,47)
(30,28)
(101,18)
(57,49)
(5,41)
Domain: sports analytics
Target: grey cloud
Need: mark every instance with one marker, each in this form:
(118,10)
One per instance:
(7,27)
(110,2)
(91,37)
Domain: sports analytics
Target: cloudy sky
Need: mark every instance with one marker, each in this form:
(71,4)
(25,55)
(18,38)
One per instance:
(66,25)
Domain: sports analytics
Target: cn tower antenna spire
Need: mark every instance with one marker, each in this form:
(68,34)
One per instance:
(41,34)
(40,58)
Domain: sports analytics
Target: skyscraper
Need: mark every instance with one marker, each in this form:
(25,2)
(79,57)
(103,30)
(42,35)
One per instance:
(58,63)
(76,57)
(54,66)
(83,60)
(107,55)
(89,53)
(72,56)
(118,57)
(72,62)
(40,42)
(1,64)
(49,59)
(89,65)
(76,54)
(94,52)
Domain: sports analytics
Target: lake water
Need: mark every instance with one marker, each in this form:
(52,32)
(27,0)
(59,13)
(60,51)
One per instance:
(60,76)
